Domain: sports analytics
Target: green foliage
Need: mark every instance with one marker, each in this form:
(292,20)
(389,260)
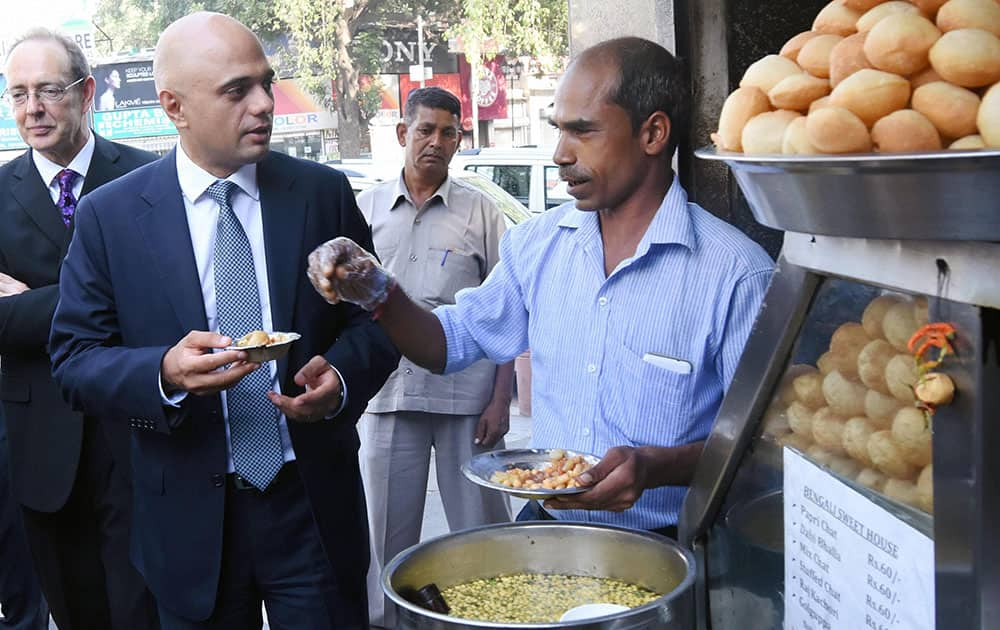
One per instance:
(536,28)
(137,24)
(329,44)
(313,28)
(370,97)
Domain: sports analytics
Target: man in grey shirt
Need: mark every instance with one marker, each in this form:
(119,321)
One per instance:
(437,235)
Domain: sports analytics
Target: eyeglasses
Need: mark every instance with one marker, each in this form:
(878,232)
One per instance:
(48,94)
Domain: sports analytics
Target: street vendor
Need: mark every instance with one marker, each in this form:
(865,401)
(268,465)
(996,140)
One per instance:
(635,302)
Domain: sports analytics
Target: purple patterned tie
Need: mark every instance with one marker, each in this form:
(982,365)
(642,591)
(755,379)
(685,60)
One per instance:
(67,200)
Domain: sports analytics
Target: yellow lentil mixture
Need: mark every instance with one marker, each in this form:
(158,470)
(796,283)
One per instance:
(532,597)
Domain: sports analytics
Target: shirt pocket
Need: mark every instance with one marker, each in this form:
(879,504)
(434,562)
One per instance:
(448,271)
(653,405)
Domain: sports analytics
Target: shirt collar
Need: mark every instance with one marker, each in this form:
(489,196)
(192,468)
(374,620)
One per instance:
(195,180)
(401,192)
(81,163)
(671,224)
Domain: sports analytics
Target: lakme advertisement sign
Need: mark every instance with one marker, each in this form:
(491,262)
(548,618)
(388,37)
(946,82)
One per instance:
(143,122)
(125,86)
(126,105)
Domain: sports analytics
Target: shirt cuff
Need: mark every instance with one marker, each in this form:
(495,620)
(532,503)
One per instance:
(174,400)
(343,394)
(461,347)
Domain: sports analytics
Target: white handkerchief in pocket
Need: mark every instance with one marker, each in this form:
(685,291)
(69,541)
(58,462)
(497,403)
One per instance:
(678,366)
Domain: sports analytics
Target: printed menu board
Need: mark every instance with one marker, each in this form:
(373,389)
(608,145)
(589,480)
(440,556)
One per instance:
(850,563)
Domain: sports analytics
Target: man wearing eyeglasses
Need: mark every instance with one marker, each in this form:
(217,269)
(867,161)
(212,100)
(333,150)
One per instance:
(69,473)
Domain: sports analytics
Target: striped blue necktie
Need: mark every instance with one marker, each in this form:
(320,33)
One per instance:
(253,420)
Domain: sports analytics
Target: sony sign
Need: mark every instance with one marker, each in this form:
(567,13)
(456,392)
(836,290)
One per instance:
(399,52)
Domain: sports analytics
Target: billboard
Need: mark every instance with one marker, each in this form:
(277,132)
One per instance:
(450,82)
(10,139)
(125,86)
(389,108)
(399,52)
(296,111)
(142,122)
(126,105)
(492,91)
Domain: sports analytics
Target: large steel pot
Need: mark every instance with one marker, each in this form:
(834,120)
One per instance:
(642,558)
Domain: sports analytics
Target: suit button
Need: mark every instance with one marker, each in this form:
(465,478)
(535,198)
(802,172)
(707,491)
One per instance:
(215,417)
(218,480)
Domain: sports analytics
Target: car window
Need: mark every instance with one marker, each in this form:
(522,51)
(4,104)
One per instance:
(513,210)
(516,180)
(555,188)
(485,171)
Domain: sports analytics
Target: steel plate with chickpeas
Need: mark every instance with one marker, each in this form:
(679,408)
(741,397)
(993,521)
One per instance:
(530,473)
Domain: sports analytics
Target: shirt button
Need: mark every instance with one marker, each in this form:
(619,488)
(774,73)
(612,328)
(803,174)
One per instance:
(603,301)
(586,431)
(417,221)
(408,371)
(413,258)
(591,368)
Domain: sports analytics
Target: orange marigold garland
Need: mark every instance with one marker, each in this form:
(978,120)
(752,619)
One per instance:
(932,388)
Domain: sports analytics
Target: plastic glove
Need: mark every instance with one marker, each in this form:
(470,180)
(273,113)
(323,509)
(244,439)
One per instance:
(341,270)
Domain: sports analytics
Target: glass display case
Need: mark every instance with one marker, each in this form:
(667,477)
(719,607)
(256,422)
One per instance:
(842,485)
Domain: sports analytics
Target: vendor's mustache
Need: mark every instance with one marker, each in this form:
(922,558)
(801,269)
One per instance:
(572,174)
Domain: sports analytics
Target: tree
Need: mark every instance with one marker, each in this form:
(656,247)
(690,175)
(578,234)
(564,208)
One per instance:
(137,24)
(334,42)
(536,28)
(330,44)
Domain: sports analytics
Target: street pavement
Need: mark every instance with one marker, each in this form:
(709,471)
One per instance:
(435,523)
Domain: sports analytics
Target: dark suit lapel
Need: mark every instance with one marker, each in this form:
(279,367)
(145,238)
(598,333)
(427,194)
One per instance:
(164,229)
(32,194)
(284,218)
(103,168)
(104,165)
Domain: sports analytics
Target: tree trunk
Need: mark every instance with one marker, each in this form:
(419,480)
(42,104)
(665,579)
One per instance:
(348,109)
(349,127)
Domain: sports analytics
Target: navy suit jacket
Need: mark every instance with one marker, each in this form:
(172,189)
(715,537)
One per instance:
(130,290)
(45,434)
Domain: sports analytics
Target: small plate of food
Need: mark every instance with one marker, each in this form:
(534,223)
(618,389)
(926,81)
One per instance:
(263,346)
(530,473)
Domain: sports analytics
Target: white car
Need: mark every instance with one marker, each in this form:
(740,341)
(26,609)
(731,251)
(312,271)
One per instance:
(527,173)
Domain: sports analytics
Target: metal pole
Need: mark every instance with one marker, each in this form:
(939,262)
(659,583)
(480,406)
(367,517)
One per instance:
(474,95)
(508,70)
(420,48)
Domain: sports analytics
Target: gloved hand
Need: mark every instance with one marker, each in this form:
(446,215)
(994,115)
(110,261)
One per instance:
(341,269)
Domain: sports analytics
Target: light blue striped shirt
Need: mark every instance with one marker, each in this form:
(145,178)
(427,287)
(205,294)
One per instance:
(691,292)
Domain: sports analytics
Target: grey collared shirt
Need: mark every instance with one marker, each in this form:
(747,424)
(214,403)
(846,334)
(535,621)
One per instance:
(450,243)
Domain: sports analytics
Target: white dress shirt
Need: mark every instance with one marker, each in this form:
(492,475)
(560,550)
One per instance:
(49,170)
(203,217)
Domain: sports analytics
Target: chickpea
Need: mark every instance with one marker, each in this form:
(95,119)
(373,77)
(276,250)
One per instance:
(558,474)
